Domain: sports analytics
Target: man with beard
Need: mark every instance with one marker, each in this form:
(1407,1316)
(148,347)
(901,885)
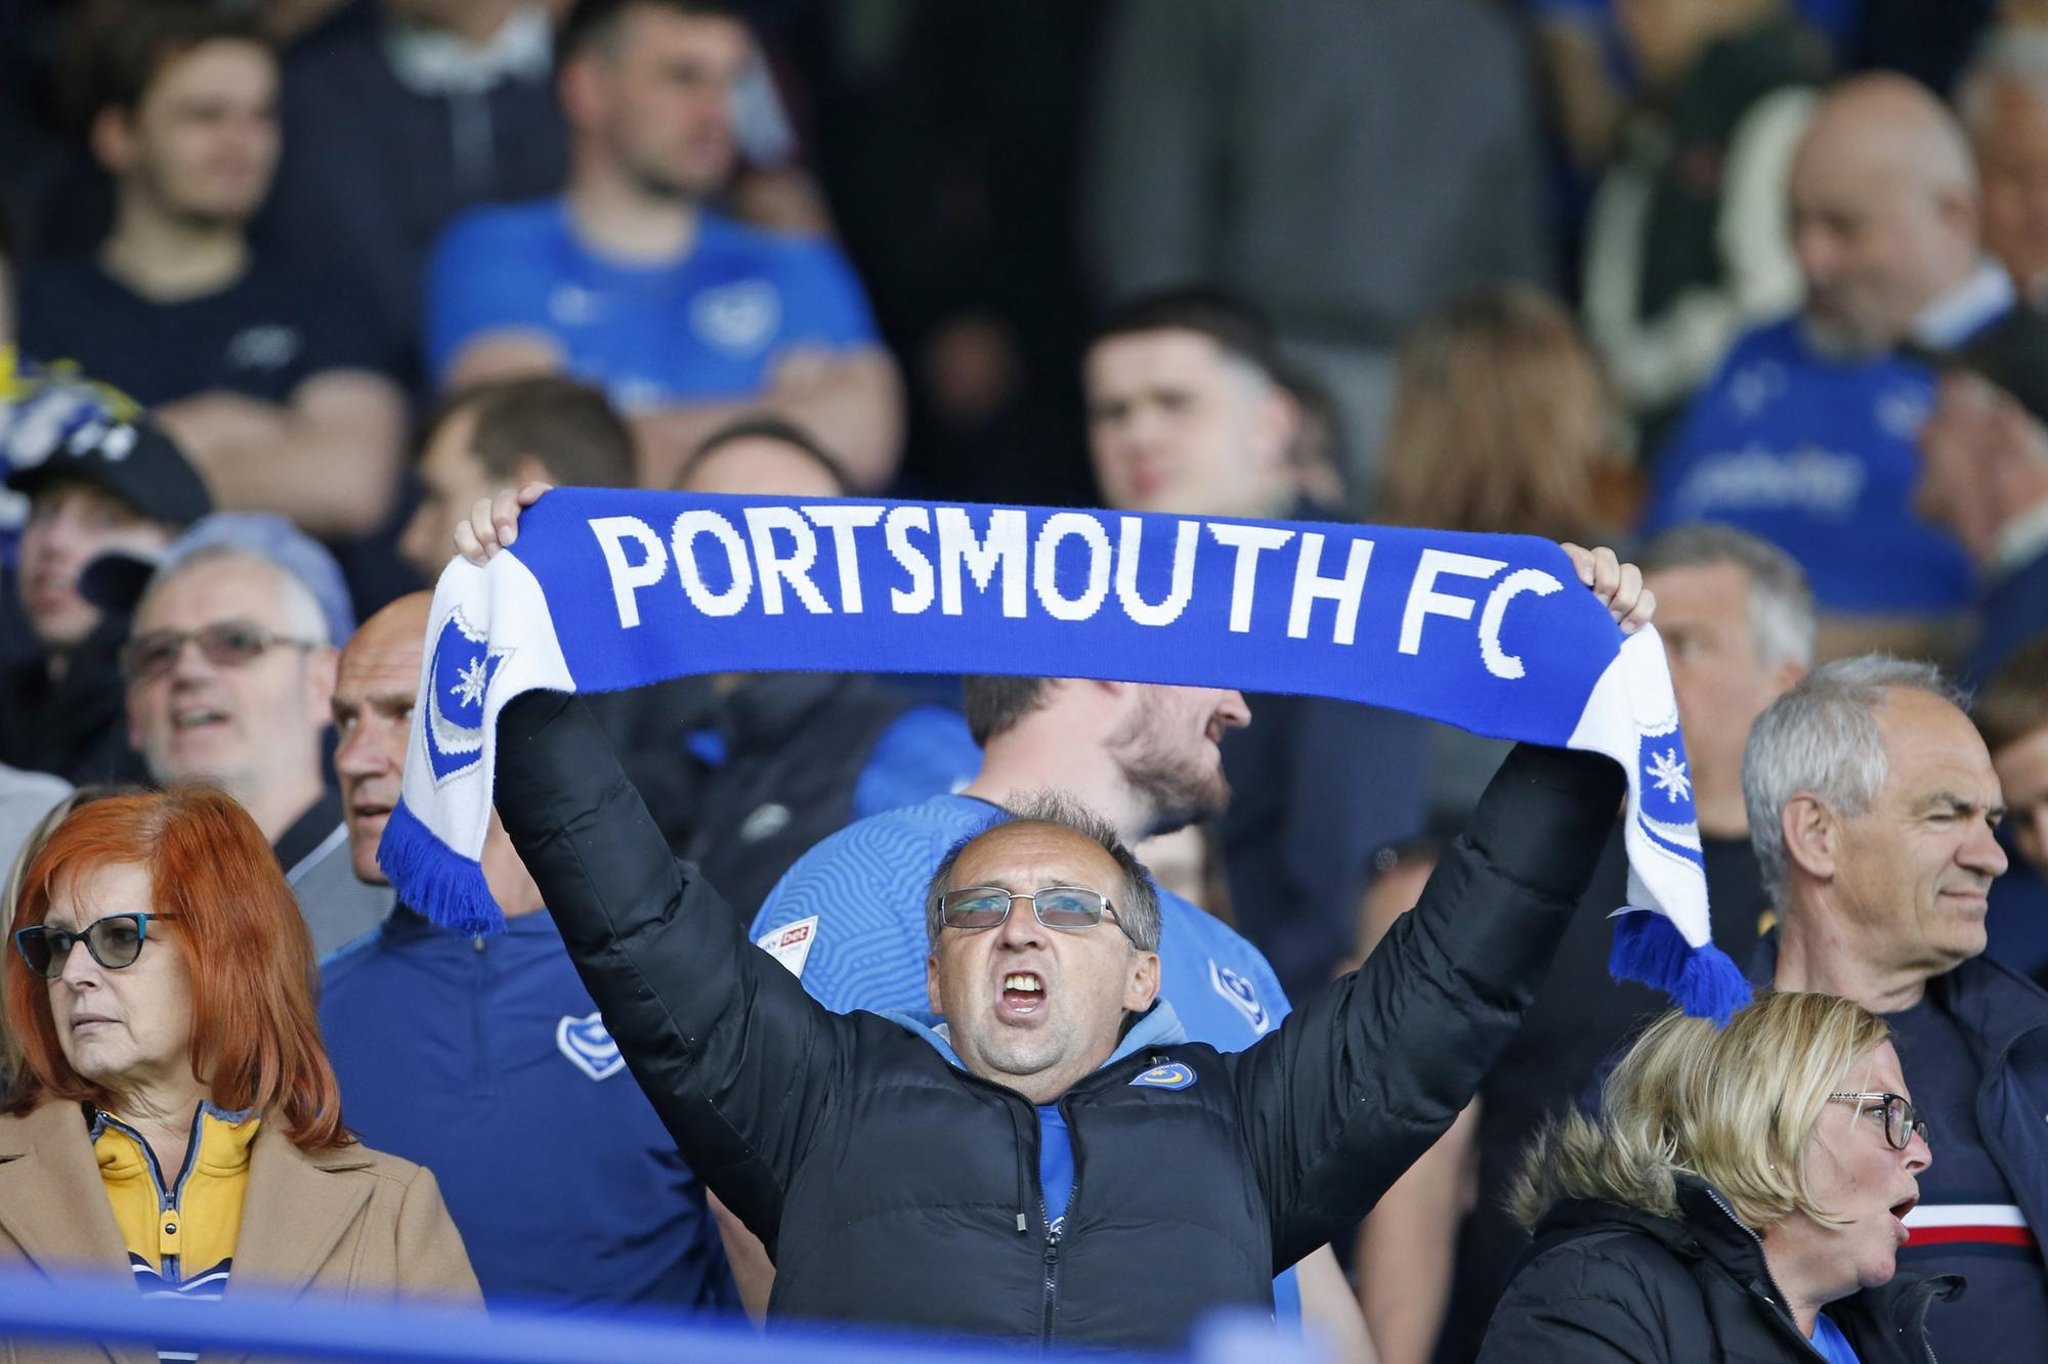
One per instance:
(686,318)
(268,377)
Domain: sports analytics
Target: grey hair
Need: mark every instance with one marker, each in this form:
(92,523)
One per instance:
(1781,611)
(2012,56)
(1822,739)
(1137,903)
(303,615)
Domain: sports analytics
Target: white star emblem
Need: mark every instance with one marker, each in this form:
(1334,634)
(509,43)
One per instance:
(1668,775)
(469,688)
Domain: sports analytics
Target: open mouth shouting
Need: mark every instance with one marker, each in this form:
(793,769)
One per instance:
(1023,996)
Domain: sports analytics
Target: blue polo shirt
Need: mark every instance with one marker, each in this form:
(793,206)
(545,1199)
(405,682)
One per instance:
(484,1060)
(708,325)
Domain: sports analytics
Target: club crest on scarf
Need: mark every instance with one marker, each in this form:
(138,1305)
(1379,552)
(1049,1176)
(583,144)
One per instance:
(461,674)
(1665,777)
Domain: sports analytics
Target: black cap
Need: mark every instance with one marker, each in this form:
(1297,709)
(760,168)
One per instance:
(2011,355)
(121,452)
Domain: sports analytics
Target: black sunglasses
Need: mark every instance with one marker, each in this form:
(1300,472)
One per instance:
(115,941)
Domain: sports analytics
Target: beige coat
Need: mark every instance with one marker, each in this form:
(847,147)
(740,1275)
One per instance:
(352,1225)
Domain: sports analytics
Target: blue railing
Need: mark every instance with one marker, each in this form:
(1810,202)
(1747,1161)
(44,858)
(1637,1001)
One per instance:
(57,1310)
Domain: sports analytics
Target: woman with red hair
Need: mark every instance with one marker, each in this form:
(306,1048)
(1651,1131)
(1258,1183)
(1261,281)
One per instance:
(173,1114)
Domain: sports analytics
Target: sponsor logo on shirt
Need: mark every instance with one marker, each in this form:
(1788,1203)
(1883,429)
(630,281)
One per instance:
(586,1043)
(1171,1076)
(1242,996)
(270,346)
(738,319)
(1821,482)
(791,944)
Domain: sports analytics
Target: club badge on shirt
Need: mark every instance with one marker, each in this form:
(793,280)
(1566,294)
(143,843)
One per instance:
(586,1043)
(1242,996)
(738,319)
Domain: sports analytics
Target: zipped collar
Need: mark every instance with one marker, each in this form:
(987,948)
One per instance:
(1158,1026)
(1706,1228)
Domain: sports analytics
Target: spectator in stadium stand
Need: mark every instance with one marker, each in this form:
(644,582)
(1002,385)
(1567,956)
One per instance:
(2003,100)
(1873,804)
(1805,435)
(1343,168)
(1186,415)
(270,378)
(500,433)
(2011,712)
(1529,462)
(484,1059)
(1737,1198)
(659,945)
(789,758)
(1144,757)
(230,672)
(629,280)
(115,483)
(1983,476)
(159,989)
(1687,246)
(1736,618)
(397,122)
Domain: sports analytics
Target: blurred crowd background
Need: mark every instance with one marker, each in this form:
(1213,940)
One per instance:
(1746,284)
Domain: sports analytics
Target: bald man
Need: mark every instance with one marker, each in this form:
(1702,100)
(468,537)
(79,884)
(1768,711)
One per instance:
(485,1061)
(1806,435)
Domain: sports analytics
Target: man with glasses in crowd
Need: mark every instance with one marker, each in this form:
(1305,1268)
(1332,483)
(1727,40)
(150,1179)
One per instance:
(1051,1162)
(230,671)
(1872,805)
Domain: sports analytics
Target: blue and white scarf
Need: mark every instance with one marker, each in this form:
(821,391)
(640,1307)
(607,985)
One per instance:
(1492,633)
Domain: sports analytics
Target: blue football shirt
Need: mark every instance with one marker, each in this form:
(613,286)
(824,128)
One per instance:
(1818,456)
(708,325)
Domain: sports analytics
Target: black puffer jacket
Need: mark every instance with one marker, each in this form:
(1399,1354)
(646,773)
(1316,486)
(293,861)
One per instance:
(1605,1284)
(891,1186)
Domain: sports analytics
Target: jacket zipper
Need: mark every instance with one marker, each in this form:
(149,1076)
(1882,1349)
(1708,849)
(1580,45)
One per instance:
(1776,1297)
(1054,1235)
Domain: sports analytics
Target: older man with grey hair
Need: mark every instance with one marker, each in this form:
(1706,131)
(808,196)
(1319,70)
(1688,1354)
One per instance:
(229,670)
(1872,804)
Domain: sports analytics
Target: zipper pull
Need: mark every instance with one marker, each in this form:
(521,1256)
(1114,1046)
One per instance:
(1020,1223)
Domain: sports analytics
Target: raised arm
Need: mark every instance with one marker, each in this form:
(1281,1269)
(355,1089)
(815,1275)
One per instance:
(1366,1075)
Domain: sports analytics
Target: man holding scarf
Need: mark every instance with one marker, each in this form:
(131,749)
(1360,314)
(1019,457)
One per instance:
(1051,1163)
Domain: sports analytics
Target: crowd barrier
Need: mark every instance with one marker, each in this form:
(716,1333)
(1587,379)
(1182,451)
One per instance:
(57,1310)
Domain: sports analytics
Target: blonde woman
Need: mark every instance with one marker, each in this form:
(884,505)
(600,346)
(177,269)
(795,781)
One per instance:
(1740,1197)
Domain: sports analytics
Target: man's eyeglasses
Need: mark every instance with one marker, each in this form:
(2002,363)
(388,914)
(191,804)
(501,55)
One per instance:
(1901,1122)
(226,644)
(1068,907)
(115,941)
